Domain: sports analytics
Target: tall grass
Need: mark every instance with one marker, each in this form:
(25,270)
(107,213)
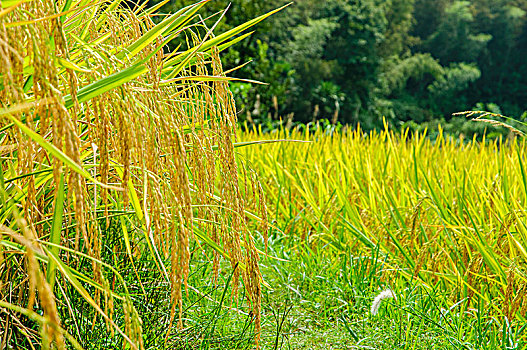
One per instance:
(113,150)
(447,214)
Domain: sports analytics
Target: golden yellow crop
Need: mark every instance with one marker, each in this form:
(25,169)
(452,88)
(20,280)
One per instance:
(449,213)
(97,122)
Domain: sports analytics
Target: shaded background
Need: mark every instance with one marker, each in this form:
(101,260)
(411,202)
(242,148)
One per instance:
(414,62)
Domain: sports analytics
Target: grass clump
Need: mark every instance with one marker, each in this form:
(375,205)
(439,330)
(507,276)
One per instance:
(117,163)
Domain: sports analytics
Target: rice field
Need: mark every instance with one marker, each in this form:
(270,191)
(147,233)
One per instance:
(447,214)
(135,214)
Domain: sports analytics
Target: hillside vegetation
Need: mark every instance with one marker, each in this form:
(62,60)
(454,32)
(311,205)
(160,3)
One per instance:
(357,61)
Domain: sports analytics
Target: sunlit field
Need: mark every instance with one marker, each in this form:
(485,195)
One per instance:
(136,214)
(447,216)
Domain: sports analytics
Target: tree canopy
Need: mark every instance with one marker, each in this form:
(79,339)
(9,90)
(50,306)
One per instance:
(359,61)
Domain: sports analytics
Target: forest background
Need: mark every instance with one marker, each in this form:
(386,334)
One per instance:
(351,62)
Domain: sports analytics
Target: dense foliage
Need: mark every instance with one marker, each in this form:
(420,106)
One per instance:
(358,61)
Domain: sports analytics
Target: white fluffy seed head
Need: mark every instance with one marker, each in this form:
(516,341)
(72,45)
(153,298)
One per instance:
(385,294)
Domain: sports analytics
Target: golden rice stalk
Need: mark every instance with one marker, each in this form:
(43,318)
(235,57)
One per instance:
(480,117)
(37,282)
(158,147)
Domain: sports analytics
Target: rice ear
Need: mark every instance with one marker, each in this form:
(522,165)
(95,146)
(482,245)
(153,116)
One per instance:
(92,103)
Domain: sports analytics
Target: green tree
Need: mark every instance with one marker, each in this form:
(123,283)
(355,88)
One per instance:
(456,39)
(502,63)
(357,61)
